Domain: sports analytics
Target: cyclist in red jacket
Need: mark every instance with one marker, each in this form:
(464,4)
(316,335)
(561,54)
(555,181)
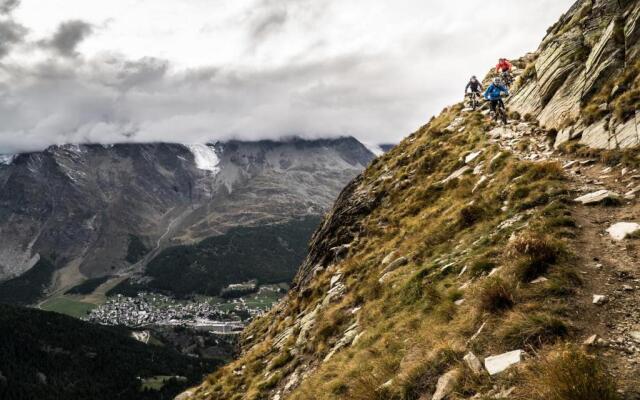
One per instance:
(503,66)
(504,70)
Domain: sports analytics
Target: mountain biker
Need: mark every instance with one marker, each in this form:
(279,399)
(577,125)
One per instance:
(503,68)
(475,85)
(494,93)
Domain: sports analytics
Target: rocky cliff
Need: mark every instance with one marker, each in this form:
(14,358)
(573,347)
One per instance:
(476,260)
(94,210)
(582,80)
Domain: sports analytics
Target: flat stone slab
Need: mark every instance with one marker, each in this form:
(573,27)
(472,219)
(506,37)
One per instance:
(472,156)
(598,197)
(496,364)
(621,230)
(457,174)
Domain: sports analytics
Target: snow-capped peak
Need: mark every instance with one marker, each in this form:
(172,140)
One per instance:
(205,157)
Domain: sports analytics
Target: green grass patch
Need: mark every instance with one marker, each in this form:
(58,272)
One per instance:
(64,305)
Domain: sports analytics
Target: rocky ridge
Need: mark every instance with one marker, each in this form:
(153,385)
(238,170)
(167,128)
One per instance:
(582,81)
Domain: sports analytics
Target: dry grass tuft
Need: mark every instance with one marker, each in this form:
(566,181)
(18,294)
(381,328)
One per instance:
(495,295)
(532,253)
(521,330)
(569,374)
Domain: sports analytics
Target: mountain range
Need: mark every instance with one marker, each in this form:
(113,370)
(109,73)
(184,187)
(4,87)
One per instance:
(76,212)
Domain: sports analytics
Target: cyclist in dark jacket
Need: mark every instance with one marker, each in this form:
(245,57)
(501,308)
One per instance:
(494,93)
(475,85)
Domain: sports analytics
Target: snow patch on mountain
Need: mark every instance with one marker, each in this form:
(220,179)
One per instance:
(374,148)
(7,159)
(205,157)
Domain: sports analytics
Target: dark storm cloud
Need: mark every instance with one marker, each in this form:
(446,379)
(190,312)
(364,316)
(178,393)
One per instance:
(7,6)
(67,37)
(11,33)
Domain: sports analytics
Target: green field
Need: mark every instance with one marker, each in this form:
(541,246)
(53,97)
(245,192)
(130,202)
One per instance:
(157,382)
(65,305)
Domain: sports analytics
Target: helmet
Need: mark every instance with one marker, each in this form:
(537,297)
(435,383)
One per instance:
(473,78)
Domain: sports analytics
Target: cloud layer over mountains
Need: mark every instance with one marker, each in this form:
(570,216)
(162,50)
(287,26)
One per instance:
(372,69)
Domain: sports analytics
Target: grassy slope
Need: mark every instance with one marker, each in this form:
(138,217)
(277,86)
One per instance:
(412,331)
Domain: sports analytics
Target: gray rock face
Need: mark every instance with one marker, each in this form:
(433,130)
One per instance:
(591,45)
(79,205)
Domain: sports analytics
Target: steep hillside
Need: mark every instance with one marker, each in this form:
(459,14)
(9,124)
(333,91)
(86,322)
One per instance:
(51,356)
(466,263)
(94,211)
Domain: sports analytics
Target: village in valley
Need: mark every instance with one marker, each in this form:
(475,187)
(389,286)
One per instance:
(228,314)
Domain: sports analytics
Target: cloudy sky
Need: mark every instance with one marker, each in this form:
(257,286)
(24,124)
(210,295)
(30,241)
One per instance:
(191,71)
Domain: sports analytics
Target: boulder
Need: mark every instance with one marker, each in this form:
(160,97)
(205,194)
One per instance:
(621,230)
(599,299)
(446,384)
(473,363)
(499,363)
(597,197)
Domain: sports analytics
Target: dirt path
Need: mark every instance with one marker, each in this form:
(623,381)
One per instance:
(607,267)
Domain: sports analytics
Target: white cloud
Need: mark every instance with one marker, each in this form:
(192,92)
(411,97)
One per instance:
(169,70)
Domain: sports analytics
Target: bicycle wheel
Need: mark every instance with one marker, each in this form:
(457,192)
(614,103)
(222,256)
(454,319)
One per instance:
(503,115)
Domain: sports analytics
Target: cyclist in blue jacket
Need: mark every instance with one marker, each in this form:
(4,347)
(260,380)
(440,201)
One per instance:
(494,93)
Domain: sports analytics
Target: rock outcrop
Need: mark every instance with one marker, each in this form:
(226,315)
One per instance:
(568,84)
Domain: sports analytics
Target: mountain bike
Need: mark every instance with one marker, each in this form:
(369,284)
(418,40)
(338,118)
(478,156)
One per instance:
(507,78)
(474,100)
(501,113)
